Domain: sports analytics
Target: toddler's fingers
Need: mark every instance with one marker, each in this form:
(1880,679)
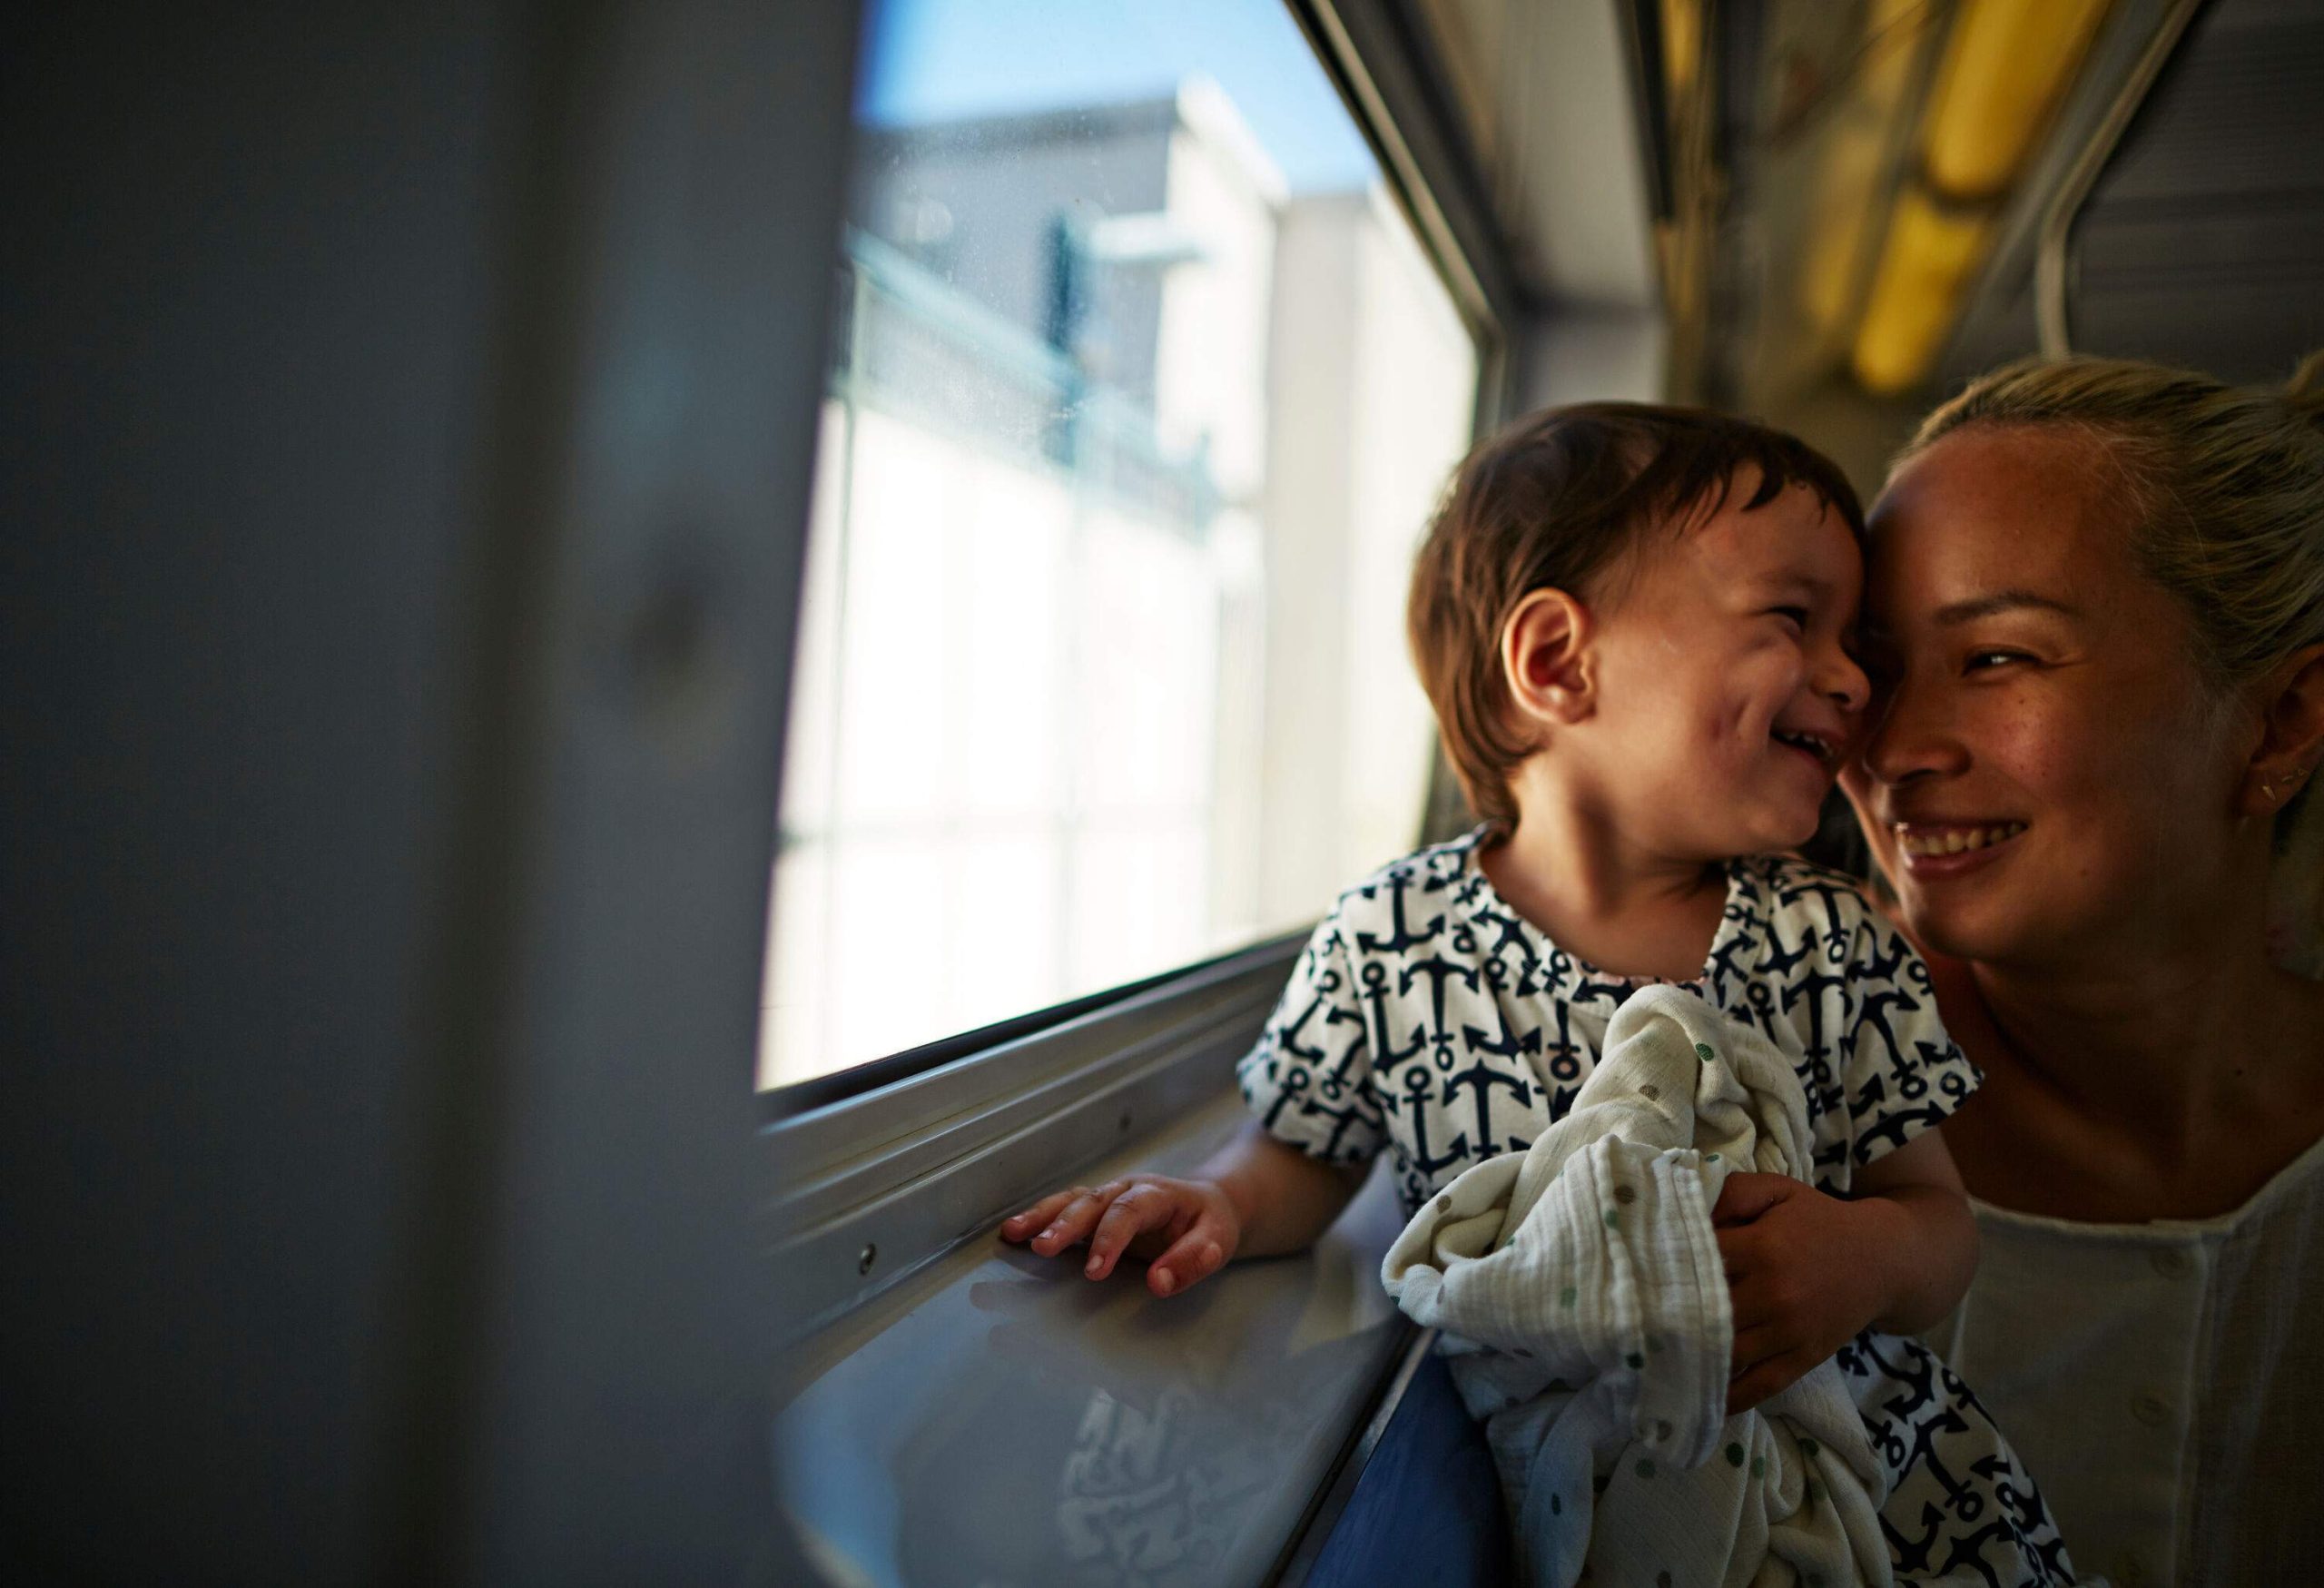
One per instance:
(1757,1383)
(1737,1250)
(1754,1344)
(1745,1197)
(1021,1226)
(1139,1208)
(1193,1258)
(1071,1224)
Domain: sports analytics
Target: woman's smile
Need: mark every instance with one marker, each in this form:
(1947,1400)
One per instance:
(1934,849)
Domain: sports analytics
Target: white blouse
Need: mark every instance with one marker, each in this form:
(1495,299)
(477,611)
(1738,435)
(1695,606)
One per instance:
(2163,1382)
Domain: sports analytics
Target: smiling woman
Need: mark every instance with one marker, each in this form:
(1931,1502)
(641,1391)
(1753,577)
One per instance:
(2096,594)
(2013,622)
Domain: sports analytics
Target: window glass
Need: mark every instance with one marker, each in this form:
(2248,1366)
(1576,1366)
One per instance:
(1141,391)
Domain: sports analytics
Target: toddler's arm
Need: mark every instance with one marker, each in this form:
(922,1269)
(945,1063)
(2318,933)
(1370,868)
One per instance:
(1932,1255)
(1256,1198)
(1807,1272)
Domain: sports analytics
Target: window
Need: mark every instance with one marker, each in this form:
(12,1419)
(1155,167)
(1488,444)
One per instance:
(1141,393)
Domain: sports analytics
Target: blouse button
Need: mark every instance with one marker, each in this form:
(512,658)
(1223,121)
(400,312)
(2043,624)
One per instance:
(2149,1409)
(2171,1262)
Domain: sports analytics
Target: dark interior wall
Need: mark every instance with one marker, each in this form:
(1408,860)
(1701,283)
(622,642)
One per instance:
(248,277)
(407,418)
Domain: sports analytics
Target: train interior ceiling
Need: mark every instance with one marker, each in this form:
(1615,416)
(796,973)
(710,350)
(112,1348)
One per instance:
(469,478)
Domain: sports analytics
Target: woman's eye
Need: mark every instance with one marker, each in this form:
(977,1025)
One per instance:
(1985,661)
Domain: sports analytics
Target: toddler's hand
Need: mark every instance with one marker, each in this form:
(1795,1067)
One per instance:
(1805,1272)
(1188,1227)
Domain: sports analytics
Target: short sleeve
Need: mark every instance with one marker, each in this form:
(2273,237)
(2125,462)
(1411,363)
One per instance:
(1902,1071)
(1309,1078)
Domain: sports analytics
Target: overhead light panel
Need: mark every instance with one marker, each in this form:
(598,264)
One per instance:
(2007,64)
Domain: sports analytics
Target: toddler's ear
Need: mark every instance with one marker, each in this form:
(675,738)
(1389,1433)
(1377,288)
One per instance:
(1546,658)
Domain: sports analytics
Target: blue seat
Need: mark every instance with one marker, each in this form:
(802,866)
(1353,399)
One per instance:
(1427,1506)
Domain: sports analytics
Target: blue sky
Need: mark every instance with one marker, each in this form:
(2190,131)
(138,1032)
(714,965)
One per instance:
(934,60)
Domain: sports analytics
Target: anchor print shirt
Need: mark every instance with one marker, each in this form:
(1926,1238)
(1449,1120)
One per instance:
(1428,1018)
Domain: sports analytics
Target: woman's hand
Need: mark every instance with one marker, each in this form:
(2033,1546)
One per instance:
(1190,1229)
(1805,1271)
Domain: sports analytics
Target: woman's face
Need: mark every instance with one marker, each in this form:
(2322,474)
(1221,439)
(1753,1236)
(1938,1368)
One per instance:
(2046,774)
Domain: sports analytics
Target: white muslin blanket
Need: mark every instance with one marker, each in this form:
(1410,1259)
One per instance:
(1587,1325)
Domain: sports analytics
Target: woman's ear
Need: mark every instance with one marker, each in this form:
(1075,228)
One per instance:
(2292,732)
(1547,659)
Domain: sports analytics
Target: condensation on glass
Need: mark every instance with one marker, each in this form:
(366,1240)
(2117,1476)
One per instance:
(1141,391)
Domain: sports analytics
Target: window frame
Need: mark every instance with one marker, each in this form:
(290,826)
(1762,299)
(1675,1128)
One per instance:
(875,1187)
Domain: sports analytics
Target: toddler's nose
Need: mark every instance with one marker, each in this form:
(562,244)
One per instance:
(1843,681)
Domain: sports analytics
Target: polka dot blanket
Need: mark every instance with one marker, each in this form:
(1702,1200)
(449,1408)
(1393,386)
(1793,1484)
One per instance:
(1585,1317)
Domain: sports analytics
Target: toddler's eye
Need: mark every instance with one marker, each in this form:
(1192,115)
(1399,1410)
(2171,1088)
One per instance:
(1795,615)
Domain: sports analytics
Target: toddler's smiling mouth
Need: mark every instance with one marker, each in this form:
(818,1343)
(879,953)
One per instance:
(1810,744)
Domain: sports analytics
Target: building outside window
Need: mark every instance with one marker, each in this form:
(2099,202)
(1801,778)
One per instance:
(1141,393)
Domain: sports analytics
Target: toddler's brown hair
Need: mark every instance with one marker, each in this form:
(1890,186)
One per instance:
(1563,499)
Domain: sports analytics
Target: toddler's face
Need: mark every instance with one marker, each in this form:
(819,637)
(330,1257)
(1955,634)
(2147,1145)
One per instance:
(1727,699)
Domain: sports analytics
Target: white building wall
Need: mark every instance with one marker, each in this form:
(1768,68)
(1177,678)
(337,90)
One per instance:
(1417,379)
(1375,377)
(1001,764)
(1212,359)
(1309,504)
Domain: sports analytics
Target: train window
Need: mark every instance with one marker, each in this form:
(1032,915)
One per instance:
(1141,391)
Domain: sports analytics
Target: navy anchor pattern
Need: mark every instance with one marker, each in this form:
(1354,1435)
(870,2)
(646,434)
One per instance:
(1960,1507)
(1428,1019)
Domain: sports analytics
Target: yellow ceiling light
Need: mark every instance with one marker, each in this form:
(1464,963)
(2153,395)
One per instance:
(1855,148)
(2008,64)
(1683,44)
(1931,252)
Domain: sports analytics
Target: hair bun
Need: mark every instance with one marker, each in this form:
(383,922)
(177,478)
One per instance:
(2305,390)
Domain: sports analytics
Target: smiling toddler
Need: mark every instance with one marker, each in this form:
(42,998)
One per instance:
(1634,624)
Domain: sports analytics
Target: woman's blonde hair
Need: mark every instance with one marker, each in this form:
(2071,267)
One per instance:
(2225,488)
